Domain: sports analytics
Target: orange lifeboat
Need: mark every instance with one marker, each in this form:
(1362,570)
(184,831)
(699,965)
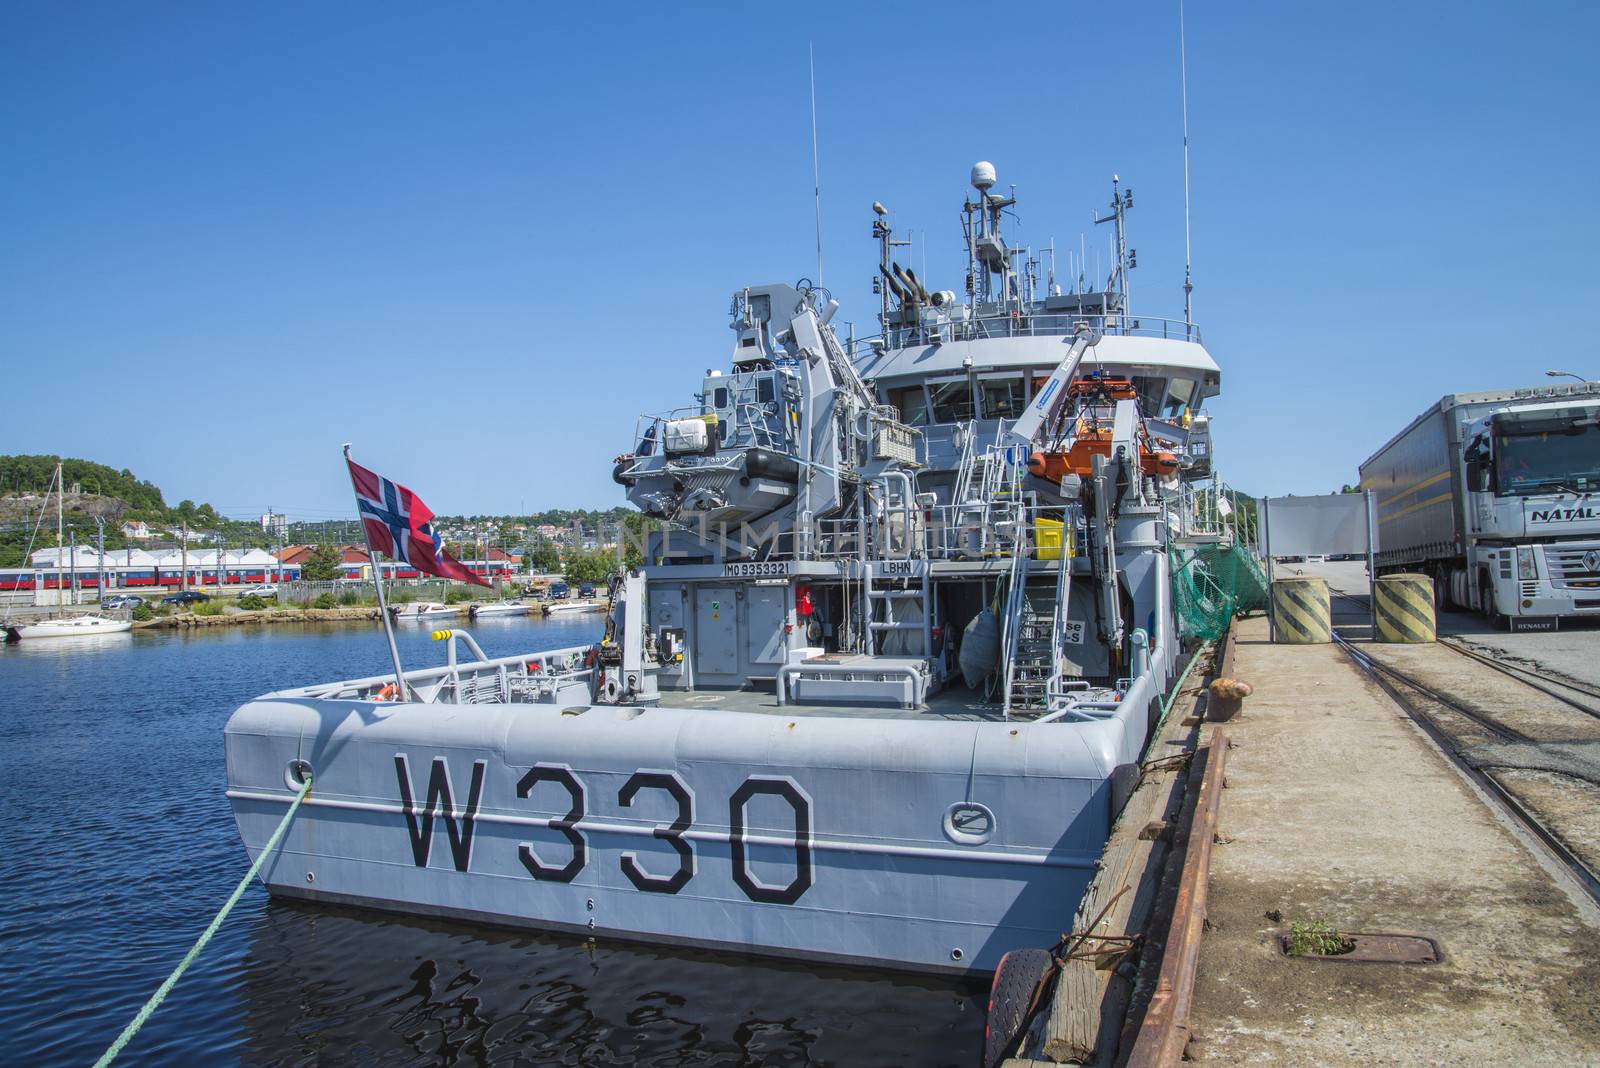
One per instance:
(1091,435)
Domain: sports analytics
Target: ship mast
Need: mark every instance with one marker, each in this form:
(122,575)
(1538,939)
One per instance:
(1124,258)
(986,249)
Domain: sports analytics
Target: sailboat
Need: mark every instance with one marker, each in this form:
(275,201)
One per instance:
(79,626)
(74,627)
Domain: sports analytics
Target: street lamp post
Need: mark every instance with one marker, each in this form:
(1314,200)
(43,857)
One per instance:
(1566,374)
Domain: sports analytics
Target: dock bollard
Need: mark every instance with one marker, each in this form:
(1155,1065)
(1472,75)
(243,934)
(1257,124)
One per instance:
(1404,608)
(1300,614)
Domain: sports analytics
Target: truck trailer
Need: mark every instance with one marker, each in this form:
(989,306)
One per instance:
(1497,496)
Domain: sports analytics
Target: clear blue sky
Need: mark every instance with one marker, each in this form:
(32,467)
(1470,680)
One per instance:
(478,240)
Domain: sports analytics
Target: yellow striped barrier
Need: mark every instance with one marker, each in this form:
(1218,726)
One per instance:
(1404,605)
(1300,612)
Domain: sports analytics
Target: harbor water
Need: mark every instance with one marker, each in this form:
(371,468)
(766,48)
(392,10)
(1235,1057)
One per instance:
(117,845)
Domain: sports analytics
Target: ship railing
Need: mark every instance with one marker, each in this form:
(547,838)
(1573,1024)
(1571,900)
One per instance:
(752,427)
(1064,700)
(1208,511)
(998,530)
(1038,324)
(551,676)
(649,431)
(971,531)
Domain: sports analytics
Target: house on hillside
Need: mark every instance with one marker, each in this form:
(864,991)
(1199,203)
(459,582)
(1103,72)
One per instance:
(137,530)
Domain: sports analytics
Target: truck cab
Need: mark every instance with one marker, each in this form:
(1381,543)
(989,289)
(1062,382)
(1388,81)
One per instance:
(1533,497)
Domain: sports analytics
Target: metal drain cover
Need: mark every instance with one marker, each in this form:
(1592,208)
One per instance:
(1377,949)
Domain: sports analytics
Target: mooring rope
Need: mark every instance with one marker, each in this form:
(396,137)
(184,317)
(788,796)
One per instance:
(194,951)
(1177,687)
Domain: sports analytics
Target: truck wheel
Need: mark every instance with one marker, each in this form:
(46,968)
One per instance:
(1015,982)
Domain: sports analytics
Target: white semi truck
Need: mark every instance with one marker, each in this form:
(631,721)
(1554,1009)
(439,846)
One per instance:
(1497,496)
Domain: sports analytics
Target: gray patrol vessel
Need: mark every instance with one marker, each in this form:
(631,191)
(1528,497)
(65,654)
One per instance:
(881,685)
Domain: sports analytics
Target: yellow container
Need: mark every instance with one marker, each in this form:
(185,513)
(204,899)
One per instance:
(1047,537)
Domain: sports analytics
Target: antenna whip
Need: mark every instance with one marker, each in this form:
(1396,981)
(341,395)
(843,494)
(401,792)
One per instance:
(816,173)
(1183,76)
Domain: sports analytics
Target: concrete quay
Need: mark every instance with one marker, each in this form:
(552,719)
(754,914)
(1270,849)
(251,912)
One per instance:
(1339,807)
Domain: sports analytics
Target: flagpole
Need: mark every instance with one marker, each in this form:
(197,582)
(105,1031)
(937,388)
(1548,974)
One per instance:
(377,581)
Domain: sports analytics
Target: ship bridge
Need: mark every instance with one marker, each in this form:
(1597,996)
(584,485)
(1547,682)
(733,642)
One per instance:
(992,378)
(962,371)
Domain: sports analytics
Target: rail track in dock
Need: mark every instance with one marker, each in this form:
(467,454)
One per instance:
(1544,682)
(1452,724)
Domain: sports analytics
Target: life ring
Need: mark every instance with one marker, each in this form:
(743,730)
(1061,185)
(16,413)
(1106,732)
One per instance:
(388,691)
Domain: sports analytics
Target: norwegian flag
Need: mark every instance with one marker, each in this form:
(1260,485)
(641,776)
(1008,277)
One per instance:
(400,526)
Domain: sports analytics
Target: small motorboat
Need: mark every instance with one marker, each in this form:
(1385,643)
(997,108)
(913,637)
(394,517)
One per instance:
(70,627)
(425,610)
(574,606)
(498,608)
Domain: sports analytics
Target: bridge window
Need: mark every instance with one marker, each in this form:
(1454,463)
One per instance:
(913,405)
(952,401)
(1179,393)
(1002,397)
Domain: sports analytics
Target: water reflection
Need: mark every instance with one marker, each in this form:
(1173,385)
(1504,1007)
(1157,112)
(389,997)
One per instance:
(373,989)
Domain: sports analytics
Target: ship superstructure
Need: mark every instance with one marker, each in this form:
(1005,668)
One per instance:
(900,490)
(881,684)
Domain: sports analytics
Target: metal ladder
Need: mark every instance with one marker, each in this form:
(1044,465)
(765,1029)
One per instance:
(997,504)
(967,464)
(1060,618)
(1002,489)
(888,596)
(873,595)
(1031,662)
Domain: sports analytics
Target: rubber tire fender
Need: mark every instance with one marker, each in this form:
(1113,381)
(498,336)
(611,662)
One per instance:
(1010,994)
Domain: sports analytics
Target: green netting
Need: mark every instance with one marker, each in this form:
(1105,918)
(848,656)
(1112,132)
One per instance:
(1213,583)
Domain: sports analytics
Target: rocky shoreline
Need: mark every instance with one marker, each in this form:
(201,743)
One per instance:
(263,617)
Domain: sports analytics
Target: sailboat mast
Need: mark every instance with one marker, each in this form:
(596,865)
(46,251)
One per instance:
(60,492)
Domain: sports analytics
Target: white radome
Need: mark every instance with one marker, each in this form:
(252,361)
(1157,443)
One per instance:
(983,176)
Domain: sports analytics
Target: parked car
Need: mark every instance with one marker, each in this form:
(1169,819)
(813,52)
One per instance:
(265,589)
(122,600)
(558,591)
(185,597)
(586,590)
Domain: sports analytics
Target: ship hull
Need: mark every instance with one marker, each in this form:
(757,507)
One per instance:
(834,837)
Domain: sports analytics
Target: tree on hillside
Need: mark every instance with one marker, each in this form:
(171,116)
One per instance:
(590,567)
(544,558)
(323,565)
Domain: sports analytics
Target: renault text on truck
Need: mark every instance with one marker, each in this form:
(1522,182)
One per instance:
(1497,496)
